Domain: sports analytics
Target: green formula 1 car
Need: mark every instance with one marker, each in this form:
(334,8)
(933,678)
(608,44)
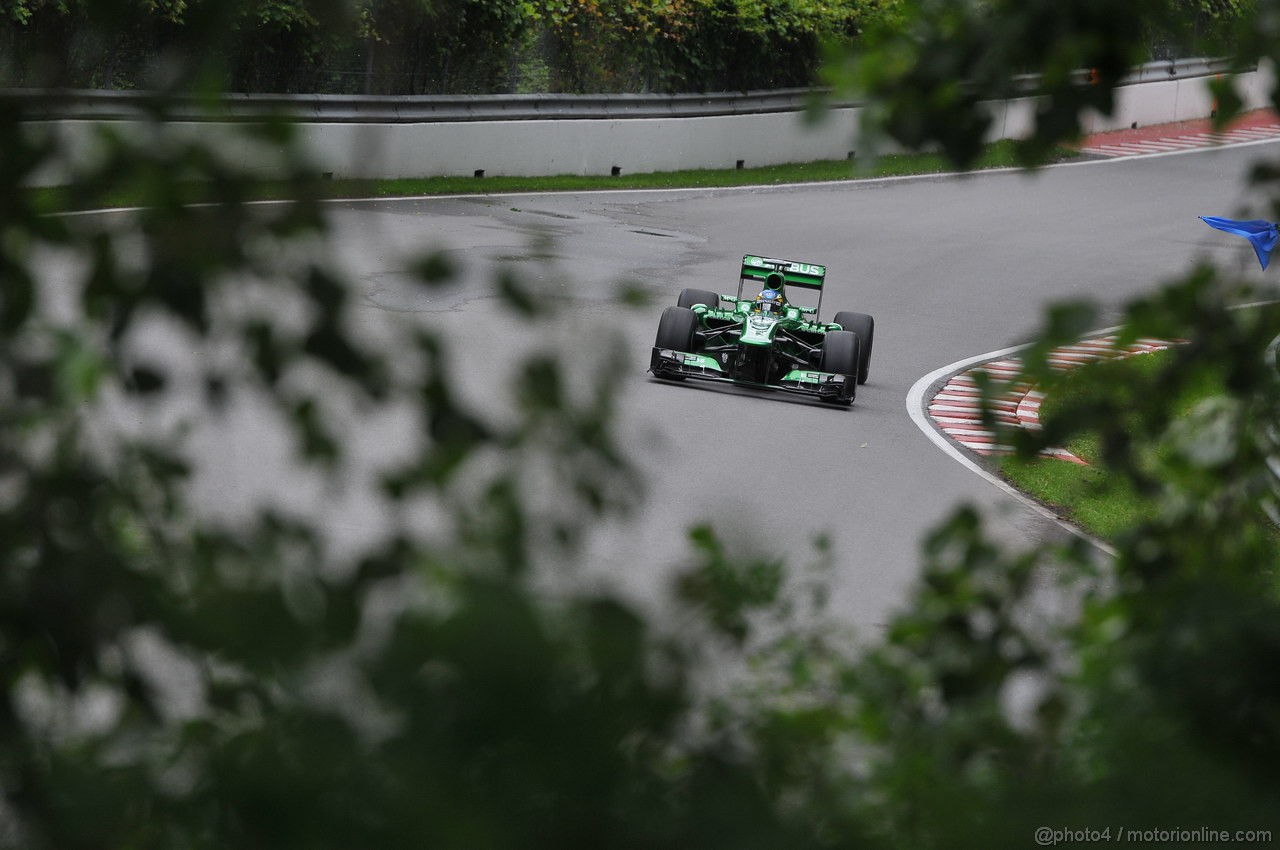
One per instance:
(765,340)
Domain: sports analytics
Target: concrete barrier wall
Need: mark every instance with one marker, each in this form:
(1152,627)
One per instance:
(536,148)
(1145,103)
(530,146)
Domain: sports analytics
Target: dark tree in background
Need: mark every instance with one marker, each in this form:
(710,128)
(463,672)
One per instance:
(176,679)
(413,47)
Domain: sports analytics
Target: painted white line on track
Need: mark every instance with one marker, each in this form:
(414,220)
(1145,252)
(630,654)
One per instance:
(1150,147)
(916,409)
(970,432)
(915,400)
(1200,148)
(1138,147)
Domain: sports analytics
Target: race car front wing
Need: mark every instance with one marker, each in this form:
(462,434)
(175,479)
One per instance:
(669,363)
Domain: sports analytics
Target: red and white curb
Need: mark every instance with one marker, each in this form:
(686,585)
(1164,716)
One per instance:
(1185,142)
(956,409)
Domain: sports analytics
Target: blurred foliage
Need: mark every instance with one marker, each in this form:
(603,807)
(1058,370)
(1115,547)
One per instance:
(177,677)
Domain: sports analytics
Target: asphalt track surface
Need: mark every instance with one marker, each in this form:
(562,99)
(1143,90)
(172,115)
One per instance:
(951,267)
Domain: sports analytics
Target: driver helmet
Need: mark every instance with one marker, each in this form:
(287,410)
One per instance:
(769,302)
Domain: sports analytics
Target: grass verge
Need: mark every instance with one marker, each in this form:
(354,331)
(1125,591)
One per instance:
(1093,497)
(1099,502)
(997,155)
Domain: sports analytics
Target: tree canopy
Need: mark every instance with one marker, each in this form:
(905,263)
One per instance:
(497,46)
(444,46)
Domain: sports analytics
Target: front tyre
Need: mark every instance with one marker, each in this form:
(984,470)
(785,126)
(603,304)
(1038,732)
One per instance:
(865,327)
(676,331)
(841,352)
(689,297)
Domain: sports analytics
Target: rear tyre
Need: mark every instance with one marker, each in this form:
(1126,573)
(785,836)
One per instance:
(676,330)
(689,297)
(840,355)
(865,327)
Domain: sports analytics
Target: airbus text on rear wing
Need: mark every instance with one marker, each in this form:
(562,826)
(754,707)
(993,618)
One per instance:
(807,275)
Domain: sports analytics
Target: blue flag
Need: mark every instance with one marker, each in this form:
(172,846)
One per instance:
(1263,235)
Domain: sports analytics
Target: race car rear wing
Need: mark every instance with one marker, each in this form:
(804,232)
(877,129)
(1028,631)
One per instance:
(803,275)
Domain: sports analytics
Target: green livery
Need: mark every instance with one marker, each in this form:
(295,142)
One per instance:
(795,274)
(766,340)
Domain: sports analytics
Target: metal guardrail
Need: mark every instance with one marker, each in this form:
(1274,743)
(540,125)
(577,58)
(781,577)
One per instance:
(355,109)
(75,104)
(1175,69)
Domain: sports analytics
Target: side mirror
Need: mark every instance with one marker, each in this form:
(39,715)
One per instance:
(809,311)
(731,299)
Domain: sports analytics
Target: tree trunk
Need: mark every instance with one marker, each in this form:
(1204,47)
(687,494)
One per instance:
(368,67)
